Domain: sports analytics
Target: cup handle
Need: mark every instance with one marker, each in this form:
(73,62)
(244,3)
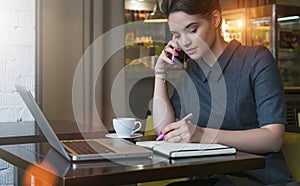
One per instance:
(139,127)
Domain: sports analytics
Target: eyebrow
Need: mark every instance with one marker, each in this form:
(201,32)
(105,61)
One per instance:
(187,26)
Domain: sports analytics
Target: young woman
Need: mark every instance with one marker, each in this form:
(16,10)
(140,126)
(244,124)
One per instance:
(234,92)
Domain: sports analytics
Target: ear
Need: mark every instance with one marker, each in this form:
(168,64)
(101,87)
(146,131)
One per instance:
(216,18)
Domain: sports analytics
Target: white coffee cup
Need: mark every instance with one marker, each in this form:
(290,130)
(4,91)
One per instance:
(125,127)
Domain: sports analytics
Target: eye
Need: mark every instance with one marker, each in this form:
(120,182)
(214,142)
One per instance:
(193,29)
(176,35)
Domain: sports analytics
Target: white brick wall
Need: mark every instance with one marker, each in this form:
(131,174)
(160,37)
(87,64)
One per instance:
(17,66)
(17,57)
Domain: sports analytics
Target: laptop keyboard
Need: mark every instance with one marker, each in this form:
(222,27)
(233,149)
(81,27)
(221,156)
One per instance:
(88,147)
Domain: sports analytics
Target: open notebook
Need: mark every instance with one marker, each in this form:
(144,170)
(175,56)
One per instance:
(182,150)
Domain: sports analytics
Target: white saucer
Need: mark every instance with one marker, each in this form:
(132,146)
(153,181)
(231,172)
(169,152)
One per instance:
(114,135)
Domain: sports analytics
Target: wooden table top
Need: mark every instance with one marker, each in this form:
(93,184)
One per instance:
(26,152)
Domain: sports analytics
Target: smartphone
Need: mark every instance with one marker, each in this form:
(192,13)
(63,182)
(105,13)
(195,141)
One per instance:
(179,60)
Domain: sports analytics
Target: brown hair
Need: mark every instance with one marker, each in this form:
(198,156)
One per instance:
(201,7)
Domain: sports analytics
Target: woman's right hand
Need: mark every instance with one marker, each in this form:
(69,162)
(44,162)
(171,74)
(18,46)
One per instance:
(164,61)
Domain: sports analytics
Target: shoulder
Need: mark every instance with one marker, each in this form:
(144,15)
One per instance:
(248,54)
(257,53)
(256,57)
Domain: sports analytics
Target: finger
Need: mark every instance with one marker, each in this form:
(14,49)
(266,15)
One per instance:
(180,138)
(165,58)
(175,139)
(173,135)
(171,127)
(168,55)
(172,139)
(170,50)
(173,44)
(180,134)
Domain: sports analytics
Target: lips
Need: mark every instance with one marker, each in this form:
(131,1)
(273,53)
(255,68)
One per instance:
(190,51)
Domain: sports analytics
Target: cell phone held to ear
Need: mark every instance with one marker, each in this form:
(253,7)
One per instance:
(180,59)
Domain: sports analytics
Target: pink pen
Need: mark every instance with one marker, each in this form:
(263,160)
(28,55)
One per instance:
(162,135)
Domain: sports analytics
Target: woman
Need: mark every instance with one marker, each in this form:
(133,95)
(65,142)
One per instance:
(237,90)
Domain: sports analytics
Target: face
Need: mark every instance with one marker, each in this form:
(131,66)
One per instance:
(194,35)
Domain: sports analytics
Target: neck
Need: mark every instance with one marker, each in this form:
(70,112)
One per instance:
(217,49)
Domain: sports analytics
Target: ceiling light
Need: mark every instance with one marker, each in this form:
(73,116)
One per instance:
(288,18)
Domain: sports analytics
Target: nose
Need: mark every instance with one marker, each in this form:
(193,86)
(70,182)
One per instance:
(185,40)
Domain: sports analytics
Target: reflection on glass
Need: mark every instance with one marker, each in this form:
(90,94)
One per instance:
(289,47)
(233,25)
(261,29)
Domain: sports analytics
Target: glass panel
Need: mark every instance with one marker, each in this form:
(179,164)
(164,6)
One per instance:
(143,41)
(233,25)
(261,32)
(289,48)
(146,36)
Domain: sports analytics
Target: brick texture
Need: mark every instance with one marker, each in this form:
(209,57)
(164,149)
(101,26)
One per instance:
(17,66)
(17,57)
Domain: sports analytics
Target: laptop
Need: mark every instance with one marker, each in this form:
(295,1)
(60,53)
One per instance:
(81,149)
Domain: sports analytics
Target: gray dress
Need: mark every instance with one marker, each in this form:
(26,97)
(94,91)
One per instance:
(243,90)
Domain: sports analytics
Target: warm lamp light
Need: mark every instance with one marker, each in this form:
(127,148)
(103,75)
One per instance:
(240,23)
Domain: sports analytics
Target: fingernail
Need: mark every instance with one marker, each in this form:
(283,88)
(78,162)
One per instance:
(176,54)
(160,132)
(178,49)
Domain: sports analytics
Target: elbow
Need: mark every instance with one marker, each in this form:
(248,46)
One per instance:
(276,144)
(274,137)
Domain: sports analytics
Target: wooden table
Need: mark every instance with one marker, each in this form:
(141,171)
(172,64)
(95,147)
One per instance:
(27,152)
(124,171)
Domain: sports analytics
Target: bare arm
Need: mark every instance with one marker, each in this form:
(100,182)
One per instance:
(261,140)
(163,113)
